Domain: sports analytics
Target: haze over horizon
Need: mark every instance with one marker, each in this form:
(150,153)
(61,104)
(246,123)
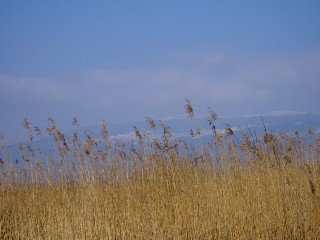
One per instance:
(123,60)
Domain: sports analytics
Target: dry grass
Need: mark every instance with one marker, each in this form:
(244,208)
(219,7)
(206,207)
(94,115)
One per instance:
(262,188)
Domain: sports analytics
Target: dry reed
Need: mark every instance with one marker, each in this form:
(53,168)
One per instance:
(254,188)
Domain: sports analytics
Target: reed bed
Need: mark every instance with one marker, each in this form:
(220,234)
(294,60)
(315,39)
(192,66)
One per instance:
(265,187)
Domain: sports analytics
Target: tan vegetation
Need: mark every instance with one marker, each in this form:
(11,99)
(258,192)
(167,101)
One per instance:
(252,188)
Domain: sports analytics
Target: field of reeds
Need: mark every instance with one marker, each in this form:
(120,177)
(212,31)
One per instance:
(255,187)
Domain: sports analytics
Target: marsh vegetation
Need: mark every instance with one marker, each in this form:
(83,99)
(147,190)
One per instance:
(256,187)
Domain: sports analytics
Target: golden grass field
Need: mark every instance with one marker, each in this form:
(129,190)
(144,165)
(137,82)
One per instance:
(266,187)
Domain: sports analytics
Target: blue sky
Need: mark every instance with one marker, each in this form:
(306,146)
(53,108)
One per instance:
(123,60)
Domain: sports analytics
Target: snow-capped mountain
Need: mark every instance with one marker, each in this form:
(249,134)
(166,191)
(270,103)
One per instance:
(180,126)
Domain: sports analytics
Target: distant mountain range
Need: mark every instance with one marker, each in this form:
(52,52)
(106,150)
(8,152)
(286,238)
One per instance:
(180,126)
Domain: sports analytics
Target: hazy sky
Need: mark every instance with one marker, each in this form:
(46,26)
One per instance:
(123,60)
